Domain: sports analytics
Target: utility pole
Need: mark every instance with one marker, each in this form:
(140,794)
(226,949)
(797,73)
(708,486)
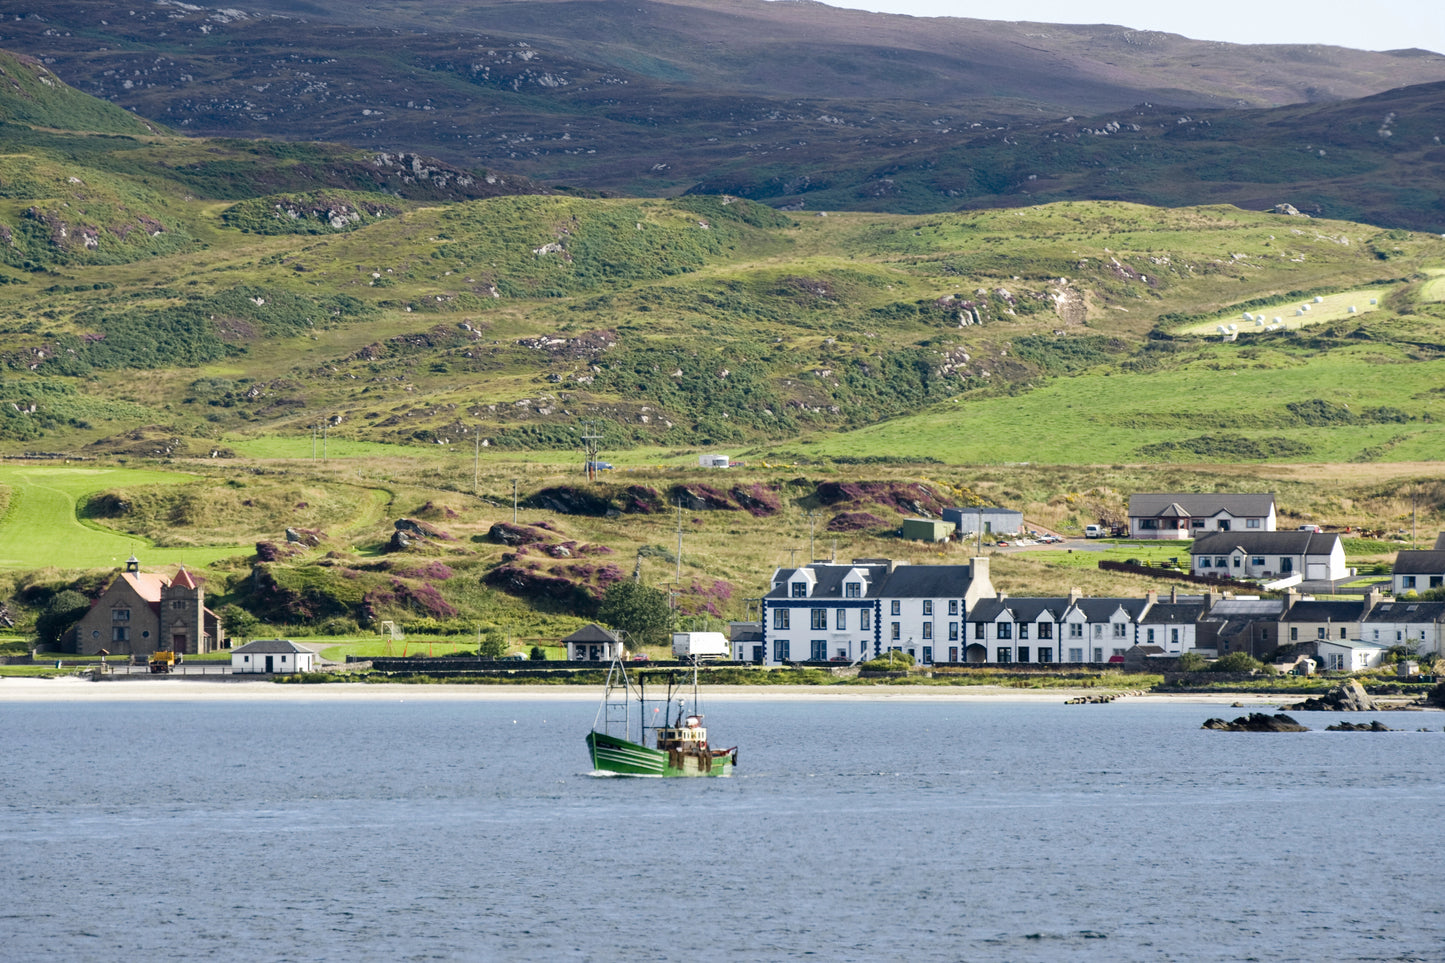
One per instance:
(514,501)
(679,542)
(313,442)
(791,553)
(812,536)
(591,443)
(980,529)
(477,464)
(325,430)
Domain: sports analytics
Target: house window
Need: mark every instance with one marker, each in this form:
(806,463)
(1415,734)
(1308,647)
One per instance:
(1005,630)
(1098,655)
(865,620)
(1436,581)
(928,606)
(1076,655)
(1342,633)
(928,655)
(853,590)
(1257,561)
(1237,561)
(1319,633)
(1149,636)
(1294,633)
(1174,636)
(1046,654)
(894,607)
(1221,562)
(840,619)
(1408,581)
(780,650)
(819,650)
(800,590)
(1377,635)
(818,619)
(928,630)
(119,633)
(953,631)
(1149,524)
(896,631)
(1046,630)
(979,630)
(1098,631)
(120,615)
(953,606)
(1197,523)
(1024,631)
(782,618)
(1223,525)
(1005,654)
(1119,628)
(1076,630)
(1203,562)
(1252,523)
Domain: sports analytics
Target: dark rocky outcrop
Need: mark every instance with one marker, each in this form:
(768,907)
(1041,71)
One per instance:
(1350,697)
(1375,726)
(505,533)
(1256,722)
(1088,700)
(566,500)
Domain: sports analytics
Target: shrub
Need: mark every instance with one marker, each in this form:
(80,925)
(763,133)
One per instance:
(1192,662)
(1236,662)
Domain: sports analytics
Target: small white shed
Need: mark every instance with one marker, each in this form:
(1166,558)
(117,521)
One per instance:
(271,656)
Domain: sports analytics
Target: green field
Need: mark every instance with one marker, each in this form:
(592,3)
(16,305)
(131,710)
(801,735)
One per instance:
(1290,316)
(42,530)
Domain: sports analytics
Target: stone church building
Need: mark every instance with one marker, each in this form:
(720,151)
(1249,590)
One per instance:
(140,613)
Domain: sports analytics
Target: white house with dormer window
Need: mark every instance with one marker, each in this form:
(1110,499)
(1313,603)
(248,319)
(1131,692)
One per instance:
(828,612)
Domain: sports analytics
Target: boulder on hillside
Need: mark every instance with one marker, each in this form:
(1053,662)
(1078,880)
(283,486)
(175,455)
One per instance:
(1256,722)
(1350,697)
(505,533)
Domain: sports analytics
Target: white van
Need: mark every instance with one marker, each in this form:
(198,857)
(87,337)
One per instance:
(1094,531)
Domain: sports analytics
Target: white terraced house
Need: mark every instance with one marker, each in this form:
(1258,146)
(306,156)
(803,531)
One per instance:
(851,612)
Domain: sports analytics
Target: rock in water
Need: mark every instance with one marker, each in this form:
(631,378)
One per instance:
(1376,726)
(1350,697)
(1256,722)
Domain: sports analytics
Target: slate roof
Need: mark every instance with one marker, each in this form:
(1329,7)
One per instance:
(271,647)
(1200,505)
(1409,562)
(591,632)
(1021,609)
(1102,609)
(905,581)
(1407,611)
(1252,609)
(1328,611)
(1349,643)
(1173,613)
(1266,543)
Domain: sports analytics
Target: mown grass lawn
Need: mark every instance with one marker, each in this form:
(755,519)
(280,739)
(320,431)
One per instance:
(42,530)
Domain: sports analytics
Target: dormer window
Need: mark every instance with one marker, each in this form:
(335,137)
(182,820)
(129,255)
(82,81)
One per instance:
(800,590)
(853,590)
(120,615)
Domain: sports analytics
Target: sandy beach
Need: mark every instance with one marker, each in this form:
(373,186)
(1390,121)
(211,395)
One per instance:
(147,689)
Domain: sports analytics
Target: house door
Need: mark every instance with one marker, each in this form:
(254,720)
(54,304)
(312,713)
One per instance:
(758,654)
(270,663)
(178,642)
(953,653)
(1286,565)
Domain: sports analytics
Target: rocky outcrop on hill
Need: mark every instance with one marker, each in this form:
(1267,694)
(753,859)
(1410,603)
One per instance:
(1256,722)
(1350,697)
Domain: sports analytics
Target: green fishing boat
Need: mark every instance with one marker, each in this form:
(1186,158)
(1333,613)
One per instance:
(679,743)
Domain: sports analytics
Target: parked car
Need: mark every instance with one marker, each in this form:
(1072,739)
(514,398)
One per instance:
(1094,531)
(599,466)
(1003,543)
(1310,528)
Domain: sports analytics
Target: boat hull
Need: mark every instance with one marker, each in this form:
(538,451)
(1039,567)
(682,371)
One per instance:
(611,754)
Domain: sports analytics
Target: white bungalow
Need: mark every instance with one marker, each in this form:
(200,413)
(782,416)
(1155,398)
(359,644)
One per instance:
(271,656)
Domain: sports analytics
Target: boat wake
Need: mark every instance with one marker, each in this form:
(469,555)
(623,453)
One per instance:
(604,774)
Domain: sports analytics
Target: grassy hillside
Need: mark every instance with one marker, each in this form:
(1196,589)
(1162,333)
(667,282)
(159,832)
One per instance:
(792,103)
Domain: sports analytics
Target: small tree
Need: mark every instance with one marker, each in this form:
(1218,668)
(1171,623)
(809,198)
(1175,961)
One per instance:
(1192,662)
(64,610)
(1236,662)
(493,644)
(639,610)
(539,654)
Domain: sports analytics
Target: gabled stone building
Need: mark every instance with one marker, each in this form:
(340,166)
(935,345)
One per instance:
(141,612)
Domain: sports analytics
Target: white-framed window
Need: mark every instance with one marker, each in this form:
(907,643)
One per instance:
(928,630)
(953,631)
(895,607)
(1253,522)
(818,619)
(782,618)
(840,619)
(928,606)
(1076,630)
(1408,581)
(953,606)
(1024,630)
(1005,630)
(896,631)
(853,590)
(1119,630)
(800,590)
(865,620)
(1076,655)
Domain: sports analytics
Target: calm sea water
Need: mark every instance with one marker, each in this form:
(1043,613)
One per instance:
(863,831)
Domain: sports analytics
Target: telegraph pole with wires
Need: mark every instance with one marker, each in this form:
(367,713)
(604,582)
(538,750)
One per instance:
(812,536)
(591,444)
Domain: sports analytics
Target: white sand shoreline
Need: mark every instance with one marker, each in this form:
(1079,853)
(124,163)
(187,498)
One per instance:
(145,689)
